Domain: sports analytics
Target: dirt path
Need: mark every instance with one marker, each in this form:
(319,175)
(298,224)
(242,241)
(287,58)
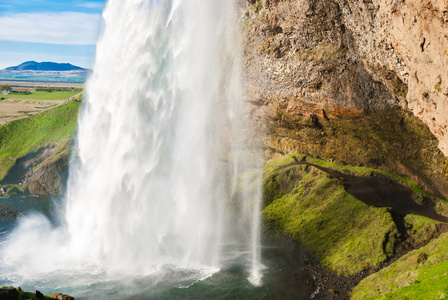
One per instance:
(380,191)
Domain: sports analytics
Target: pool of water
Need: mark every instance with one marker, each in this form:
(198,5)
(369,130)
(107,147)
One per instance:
(285,275)
(25,204)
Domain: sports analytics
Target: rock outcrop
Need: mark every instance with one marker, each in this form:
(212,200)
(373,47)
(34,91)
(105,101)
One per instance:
(359,82)
(43,172)
(12,293)
(51,175)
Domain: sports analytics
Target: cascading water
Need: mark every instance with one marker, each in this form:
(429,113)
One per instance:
(162,136)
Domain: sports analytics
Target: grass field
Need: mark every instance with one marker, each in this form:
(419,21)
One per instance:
(43,95)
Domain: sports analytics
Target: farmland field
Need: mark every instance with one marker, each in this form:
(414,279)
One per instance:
(42,95)
(31,102)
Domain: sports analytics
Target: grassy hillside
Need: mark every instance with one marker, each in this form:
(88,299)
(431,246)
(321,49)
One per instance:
(314,207)
(21,137)
(420,274)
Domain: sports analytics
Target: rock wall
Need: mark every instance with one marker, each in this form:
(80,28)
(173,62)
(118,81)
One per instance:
(352,81)
(411,38)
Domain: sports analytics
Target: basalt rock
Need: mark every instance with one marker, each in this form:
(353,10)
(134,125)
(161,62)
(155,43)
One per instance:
(61,296)
(8,213)
(9,293)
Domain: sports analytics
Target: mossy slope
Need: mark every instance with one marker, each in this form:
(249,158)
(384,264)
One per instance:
(29,135)
(347,235)
(420,274)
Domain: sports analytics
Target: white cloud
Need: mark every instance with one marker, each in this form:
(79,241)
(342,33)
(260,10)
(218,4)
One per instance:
(69,28)
(95,5)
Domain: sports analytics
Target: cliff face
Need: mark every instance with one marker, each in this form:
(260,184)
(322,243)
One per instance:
(410,38)
(43,172)
(352,81)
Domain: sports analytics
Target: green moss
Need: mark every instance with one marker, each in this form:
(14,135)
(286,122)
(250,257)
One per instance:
(353,170)
(422,229)
(21,137)
(322,52)
(277,184)
(14,189)
(347,235)
(268,46)
(420,274)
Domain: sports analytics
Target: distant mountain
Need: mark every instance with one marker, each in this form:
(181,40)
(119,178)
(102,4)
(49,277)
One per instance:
(44,66)
(45,71)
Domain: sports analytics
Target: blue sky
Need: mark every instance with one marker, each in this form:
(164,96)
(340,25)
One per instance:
(49,30)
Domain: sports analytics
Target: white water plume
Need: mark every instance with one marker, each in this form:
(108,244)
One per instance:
(161,141)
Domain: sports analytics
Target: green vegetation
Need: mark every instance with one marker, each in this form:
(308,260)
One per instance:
(17,293)
(43,95)
(5,88)
(14,189)
(420,274)
(357,171)
(347,235)
(364,171)
(21,137)
(322,52)
(422,229)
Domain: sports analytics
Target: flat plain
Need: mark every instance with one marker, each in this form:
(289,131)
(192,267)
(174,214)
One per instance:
(16,106)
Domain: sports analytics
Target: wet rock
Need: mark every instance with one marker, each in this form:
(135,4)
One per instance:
(9,293)
(8,213)
(38,294)
(61,296)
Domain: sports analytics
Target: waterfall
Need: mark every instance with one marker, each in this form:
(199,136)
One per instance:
(155,178)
